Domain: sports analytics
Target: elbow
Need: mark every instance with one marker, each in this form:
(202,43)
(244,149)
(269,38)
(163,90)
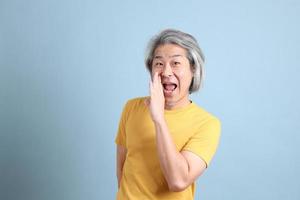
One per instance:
(177,186)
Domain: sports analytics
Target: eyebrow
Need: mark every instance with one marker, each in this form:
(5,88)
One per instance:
(176,55)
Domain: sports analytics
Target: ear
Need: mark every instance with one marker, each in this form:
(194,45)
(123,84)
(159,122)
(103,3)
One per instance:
(193,69)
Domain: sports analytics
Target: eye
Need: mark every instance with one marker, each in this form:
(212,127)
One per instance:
(176,63)
(158,64)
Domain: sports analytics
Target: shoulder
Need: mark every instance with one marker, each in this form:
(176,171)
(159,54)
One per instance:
(135,103)
(207,125)
(136,100)
(205,116)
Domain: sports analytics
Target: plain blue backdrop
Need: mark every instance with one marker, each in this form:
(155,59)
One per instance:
(67,67)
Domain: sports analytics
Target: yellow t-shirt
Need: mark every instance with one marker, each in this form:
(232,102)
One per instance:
(192,129)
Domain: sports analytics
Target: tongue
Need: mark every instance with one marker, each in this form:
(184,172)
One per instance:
(169,86)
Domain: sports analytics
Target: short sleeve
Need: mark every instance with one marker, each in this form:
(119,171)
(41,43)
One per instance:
(121,134)
(204,143)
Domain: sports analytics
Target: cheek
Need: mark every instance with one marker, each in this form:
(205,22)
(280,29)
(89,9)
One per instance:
(184,78)
(180,73)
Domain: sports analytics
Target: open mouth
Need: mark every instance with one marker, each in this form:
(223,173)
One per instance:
(169,87)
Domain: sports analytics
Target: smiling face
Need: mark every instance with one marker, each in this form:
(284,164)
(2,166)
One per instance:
(172,65)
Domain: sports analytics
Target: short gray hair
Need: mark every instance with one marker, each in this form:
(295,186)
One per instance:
(186,41)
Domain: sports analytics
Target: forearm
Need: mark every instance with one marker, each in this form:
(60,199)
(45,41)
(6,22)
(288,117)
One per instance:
(174,165)
(119,176)
(121,156)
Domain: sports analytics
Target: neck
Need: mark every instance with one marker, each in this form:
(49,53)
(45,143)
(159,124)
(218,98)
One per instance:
(171,105)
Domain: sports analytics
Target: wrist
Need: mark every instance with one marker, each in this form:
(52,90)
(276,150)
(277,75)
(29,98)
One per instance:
(159,121)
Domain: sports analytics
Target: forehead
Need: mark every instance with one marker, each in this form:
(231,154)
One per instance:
(169,50)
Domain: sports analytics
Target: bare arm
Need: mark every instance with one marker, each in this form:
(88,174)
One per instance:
(121,156)
(180,169)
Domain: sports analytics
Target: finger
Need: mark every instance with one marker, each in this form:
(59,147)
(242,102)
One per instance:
(150,84)
(155,75)
(150,87)
(159,79)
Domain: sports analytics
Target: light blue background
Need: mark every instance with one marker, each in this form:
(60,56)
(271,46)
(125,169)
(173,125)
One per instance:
(67,67)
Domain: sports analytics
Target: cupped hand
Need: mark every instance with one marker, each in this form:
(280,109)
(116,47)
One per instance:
(156,101)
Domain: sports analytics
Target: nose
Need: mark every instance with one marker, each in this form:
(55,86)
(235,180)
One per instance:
(167,70)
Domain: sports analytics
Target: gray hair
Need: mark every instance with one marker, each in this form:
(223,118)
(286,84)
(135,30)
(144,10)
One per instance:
(186,41)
